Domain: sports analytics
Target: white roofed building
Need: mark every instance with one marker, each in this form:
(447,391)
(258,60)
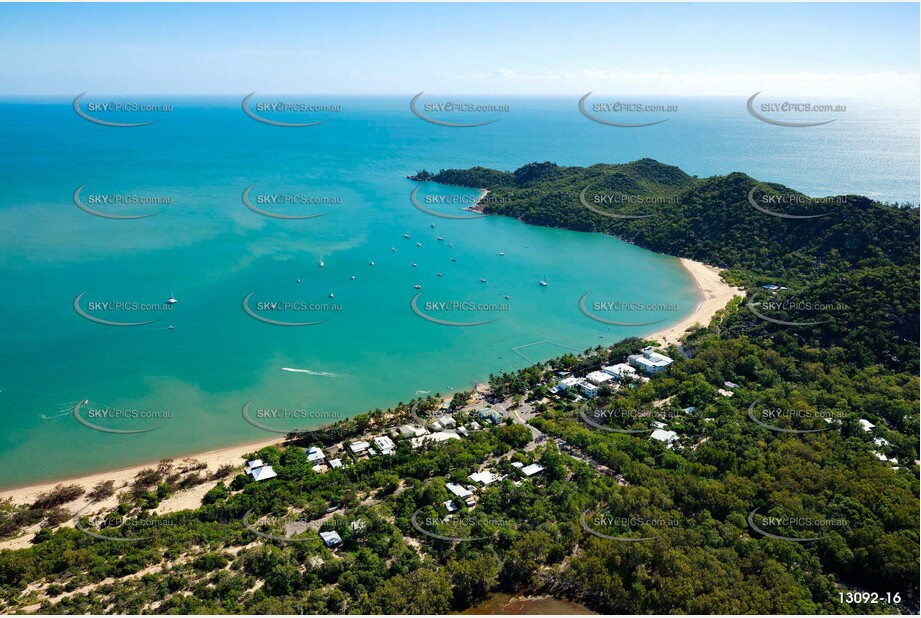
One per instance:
(385,445)
(662,435)
(532,469)
(620,371)
(599,377)
(359,447)
(257,469)
(483,478)
(315,455)
(437,437)
(650,362)
(331,538)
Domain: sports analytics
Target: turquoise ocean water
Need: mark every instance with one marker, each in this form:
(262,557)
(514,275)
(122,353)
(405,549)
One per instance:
(209,251)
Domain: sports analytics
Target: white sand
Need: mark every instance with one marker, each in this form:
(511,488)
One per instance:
(716,295)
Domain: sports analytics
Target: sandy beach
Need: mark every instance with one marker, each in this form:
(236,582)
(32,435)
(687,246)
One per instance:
(716,295)
(715,292)
(123,479)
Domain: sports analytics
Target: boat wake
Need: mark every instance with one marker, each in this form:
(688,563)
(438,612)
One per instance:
(310,372)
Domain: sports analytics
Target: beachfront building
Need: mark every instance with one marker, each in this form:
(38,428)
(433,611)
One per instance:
(620,371)
(385,445)
(599,377)
(315,455)
(650,362)
(437,438)
(565,384)
(412,431)
(259,471)
(359,448)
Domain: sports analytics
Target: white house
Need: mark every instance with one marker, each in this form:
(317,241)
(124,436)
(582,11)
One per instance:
(650,362)
(335,463)
(359,448)
(588,389)
(620,371)
(565,384)
(437,437)
(461,492)
(259,471)
(599,377)
(483,478)
(532,469)
(866,425)
(668,437)
(315,455)
(447,422)
(412,431)
(384,444)
(331,538)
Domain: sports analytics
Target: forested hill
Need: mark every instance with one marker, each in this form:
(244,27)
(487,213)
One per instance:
(855,253)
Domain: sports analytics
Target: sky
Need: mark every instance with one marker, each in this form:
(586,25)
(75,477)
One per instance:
(834,50)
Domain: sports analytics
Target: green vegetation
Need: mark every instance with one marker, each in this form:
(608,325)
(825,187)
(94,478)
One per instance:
(859,363)
(863,255)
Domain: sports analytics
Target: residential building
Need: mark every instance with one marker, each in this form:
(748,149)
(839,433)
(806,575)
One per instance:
(650,362)
(620,371)
(259,471)
(331,538)
(359,448)
(662,435)
(315,455)
(599,377)
(437,437)
(462,492)
(532,469)
(483,478)
(588,389)
(412,431)
(565,384)
(385,445)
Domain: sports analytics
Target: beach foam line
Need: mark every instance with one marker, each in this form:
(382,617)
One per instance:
(310,372)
